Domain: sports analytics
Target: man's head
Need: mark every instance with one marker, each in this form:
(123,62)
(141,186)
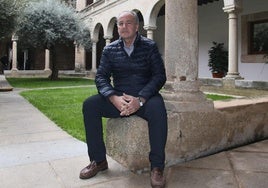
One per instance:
(128,24)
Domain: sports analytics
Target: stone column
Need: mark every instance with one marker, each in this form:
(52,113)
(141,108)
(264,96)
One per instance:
(14,53)
(47,60)
(94,56)
(233,42)
(150,31)
(108,39)
(181,58)
(80,58)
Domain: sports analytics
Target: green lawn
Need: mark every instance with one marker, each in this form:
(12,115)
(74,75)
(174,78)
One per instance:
(218,97)
(45,82)
(64,105)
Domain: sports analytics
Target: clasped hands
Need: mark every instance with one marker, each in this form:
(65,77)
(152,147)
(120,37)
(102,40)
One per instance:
(126,104)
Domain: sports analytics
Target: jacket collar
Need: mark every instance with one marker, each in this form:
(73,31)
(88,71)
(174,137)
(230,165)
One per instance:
(137,39)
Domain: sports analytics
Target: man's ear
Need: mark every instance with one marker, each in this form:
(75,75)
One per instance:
(137,28)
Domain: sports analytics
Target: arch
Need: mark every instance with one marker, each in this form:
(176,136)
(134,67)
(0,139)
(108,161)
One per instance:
(96,31)
(110,27)
(141,20)
(151,14)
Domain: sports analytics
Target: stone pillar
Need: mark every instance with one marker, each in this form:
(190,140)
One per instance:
(108,39)
(181,58)
(232,11)
(150,31)
(47,60)
(94,56)
(80,58)
(14,53)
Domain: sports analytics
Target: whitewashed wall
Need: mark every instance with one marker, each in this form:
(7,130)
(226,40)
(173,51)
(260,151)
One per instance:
(213,26)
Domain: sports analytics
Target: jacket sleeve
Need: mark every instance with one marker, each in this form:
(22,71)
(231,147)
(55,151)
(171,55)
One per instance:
(158,74)
(103,76)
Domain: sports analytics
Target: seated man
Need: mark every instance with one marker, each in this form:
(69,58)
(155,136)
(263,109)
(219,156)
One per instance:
(138,74)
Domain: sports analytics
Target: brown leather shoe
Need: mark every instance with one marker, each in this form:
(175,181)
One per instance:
(92,169)
(157,178)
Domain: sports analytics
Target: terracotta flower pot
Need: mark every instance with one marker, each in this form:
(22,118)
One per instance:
(217,74)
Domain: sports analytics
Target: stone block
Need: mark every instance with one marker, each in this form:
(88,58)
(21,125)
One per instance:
(191,134)
(127,142)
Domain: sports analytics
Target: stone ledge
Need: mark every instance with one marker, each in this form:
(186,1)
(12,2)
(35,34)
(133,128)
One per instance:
(190,134)
(127,142)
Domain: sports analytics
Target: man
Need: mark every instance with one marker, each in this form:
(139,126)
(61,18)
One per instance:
(138,74)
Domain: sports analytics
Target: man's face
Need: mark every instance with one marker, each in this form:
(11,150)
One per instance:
(127,26)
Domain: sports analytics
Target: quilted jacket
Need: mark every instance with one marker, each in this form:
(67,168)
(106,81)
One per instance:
(140,74)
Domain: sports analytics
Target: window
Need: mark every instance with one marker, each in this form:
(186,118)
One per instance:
(258,37)
(254,37)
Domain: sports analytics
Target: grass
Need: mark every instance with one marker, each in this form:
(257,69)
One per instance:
(30,83)
(64,105)
(218,97)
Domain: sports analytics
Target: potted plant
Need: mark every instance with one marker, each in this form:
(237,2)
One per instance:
(218,60)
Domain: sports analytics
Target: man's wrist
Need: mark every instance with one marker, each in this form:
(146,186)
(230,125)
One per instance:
(111,98)
(141,101)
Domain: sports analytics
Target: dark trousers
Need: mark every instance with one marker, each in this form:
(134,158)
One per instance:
(154,111)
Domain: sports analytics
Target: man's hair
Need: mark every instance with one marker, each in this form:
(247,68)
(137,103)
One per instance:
(133,13)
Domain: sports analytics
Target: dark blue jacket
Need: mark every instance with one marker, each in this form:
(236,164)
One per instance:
(140,74)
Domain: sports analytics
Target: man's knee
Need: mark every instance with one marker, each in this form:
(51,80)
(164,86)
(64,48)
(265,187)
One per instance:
(90,103)
(156,105)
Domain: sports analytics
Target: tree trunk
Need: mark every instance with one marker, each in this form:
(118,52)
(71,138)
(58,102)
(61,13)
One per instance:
(54,68)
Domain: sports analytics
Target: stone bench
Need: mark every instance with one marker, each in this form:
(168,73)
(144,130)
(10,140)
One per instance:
(127,142)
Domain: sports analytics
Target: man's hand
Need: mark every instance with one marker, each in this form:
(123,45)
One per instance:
(132,106)
(126,104)
(118,101)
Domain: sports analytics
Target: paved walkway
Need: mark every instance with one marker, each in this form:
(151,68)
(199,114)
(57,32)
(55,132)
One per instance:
(35,153)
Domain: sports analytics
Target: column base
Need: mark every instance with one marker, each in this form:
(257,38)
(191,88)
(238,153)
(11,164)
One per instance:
(14,72)
(47,71)
(186,97)
(234,75)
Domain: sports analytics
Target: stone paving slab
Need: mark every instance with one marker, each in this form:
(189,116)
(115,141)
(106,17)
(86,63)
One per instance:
(249,179)
(68,169)
(256,147)
(196,178)
(254,162)
(35,175)
(218,161)
(15,138)
(19,154)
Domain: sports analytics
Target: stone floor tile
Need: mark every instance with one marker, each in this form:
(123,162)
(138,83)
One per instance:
(32,137)
(261,146)
(19,154)
(249,161)
(68,171)
(134,181)
(252,180)
(38,175)
(217,161)
(181,177)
